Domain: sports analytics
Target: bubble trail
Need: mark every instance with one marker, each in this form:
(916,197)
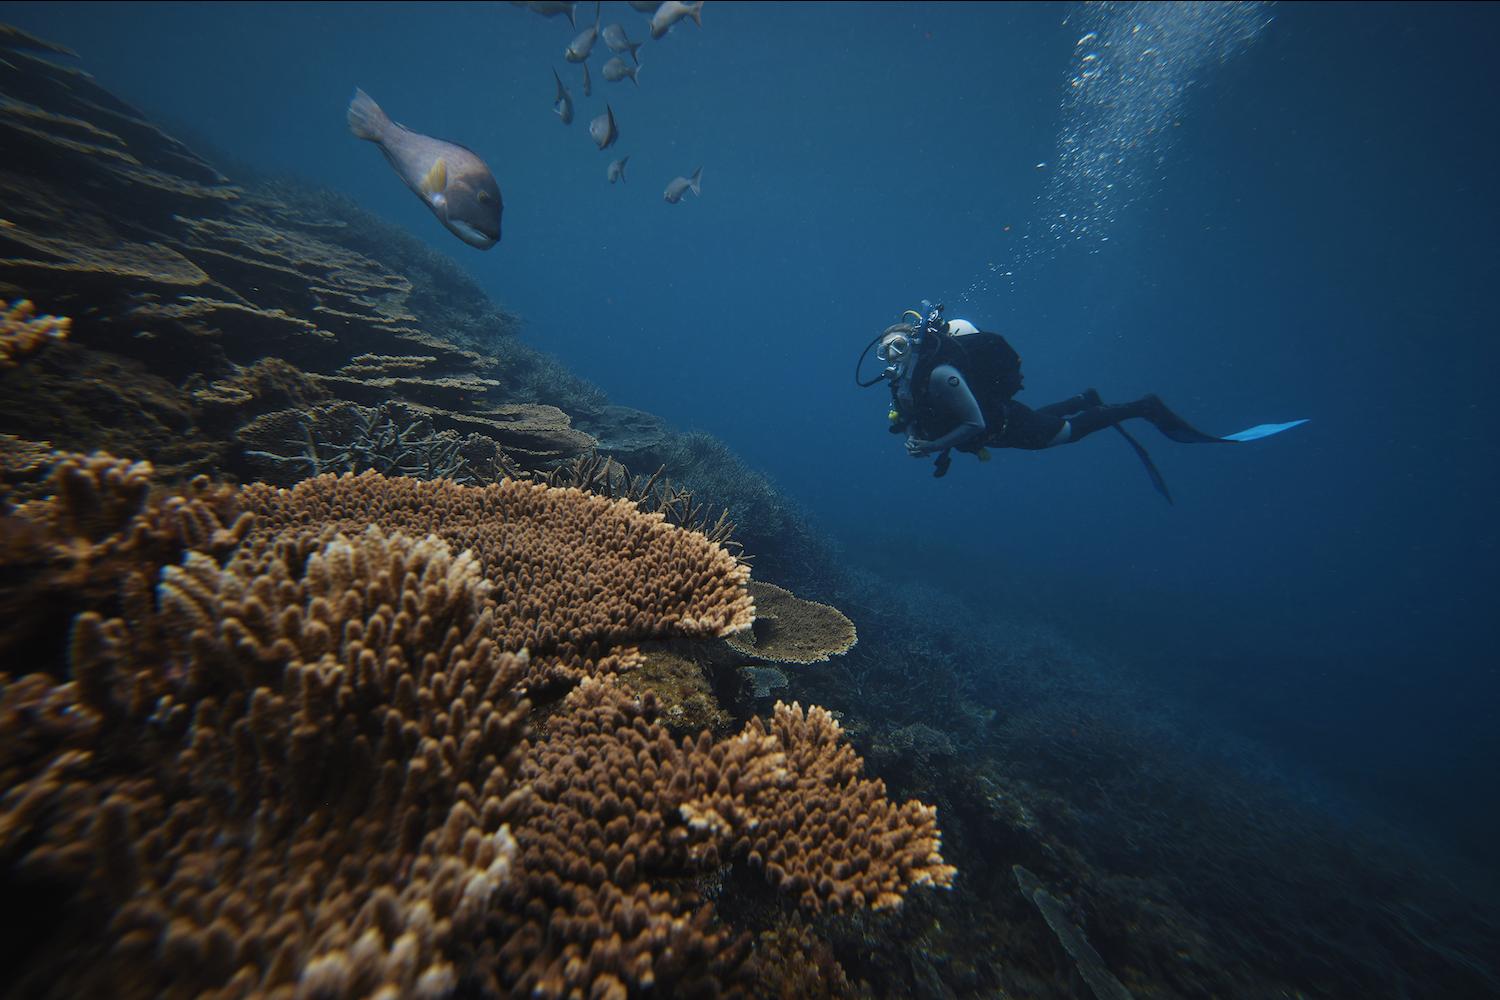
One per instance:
(1130,72)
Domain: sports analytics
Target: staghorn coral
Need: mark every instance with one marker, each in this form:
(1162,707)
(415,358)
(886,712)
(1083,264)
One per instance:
(579,580)
(280,783)
(788,629)
(23,331)
(621,816)
(290,445)
(604,475)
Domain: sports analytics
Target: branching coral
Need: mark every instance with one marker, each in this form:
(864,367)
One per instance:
(23,331)
(281,780)
(346,437)
(83,532)
(621,814)
(603,475)
(299,767)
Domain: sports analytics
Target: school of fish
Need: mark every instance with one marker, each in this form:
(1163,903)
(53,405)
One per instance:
(458,187)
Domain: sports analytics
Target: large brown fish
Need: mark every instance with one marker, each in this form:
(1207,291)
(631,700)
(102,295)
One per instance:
(452,181)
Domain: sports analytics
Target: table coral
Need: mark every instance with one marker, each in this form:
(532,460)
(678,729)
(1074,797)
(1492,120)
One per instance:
(788,629)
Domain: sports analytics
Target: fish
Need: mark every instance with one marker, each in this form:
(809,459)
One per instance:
(673,11)
(646,6)
(563,105)
(588,85)
(603,129)
(579,48)
(618,69)
(616,171)
(614,37)
(553,9)
(451,181)
(682,185)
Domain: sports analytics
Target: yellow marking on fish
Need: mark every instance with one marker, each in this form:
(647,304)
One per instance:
(437,178)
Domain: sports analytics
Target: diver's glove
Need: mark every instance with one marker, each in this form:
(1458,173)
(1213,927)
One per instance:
(918,448)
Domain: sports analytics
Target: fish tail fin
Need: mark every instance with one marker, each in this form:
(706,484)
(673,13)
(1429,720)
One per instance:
(697,13)
(634,73)
(696,181)
(571,12)
(623,160)
(635,47)
(366,120)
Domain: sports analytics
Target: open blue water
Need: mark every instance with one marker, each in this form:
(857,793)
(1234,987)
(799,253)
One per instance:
(1294,216)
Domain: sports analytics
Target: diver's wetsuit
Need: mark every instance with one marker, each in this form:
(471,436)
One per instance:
(948,402)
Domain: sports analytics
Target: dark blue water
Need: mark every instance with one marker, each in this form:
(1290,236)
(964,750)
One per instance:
(1308,233)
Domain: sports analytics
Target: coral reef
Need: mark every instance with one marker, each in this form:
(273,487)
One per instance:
(301,766)
(681,686)
(83,533)
(23,331)
(620,808)
(287,446)
(788,629)
(579,579)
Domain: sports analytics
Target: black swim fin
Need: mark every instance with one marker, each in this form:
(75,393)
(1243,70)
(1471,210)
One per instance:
(1151,469)
(1173,426)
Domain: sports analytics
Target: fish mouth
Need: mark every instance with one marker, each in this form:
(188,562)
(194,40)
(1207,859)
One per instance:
(472,235)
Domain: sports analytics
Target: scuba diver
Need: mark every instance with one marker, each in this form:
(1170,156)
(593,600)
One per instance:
(951,387)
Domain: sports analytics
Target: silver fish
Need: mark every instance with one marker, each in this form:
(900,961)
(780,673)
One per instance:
(603,129)
(588,85)
(451,180)
(618,69)
(682,185)
(614,37)
(553,9)
(616,171)
(645,6)
(579,48)
(563,105)
(673,11)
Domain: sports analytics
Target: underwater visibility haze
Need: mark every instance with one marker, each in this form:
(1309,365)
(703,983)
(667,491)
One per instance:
(1112,700)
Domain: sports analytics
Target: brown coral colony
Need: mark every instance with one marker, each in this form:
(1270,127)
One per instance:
(291,755)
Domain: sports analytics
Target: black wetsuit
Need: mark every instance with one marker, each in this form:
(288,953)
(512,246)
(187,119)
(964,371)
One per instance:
(949,413)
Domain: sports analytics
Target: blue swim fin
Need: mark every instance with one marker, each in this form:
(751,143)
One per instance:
(1263,431)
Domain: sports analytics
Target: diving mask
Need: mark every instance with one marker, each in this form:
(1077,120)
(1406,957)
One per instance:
(894,350)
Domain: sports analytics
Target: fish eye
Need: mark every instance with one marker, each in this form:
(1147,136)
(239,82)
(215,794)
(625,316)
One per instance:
(485,197)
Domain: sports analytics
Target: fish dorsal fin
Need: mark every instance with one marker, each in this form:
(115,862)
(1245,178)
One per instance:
(437,178)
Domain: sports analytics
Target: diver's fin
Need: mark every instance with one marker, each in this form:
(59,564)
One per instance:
(1151,470)
(1264,430)
(437,178)
(1173,426)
